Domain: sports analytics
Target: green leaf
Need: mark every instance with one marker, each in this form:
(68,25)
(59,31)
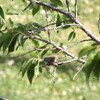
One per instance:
(9,41)
(66,19)
(71,35)
(19,28)
(1,42)
(86,50)
(37,69)
(30,72)
(6,42)
(34,24)
(89,66)
(35,9)
(56,3)
(11,22)
(12,44)
(44,46)
(24,1)
(44,52)
(25,66)
(36,43)
(1,22)
(21,39)
(12,13)
(58,20)
(34,54)
(96,44)
(96,70)
(1,13)
(2,39)
(92,66)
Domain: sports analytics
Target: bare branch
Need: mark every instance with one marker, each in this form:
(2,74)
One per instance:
(26,7)
(59,48)
(14,57)
(99,24)
(75,8)
(35,49)
(68,6)
(89,33)
(64,62)
(46,13)
(54,74)
(62,26)
(43,28)
(84,40)
(78,71)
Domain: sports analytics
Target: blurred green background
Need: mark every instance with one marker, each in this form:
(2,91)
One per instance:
(13,87)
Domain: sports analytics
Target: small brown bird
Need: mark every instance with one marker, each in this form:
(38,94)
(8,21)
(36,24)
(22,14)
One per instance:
(51,59)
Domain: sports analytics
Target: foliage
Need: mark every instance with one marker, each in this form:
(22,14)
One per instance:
(14,35)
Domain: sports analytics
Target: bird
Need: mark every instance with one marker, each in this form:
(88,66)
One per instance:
(50,60)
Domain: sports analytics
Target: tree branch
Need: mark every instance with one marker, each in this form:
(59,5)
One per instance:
(61,49)
(99,24)
(84,40)
(48,31)
(75,8)
(64,62)
(35,49)
(62,26)
(89,33)
(78,71)
(68,6)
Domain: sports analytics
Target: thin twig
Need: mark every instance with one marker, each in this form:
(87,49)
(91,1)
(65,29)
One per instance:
(64,62)
(62,26)
(40,39)
(35,49)
(84,40)
(26,7)
(78,71)
(75,8)
(83,57)
(48,31)
(44,27)
(68,6)
(55,23)
(14,57)
(54,73)
(99,23)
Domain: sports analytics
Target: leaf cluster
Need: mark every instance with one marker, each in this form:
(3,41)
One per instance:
(14,35)
(32,68)
(92,66)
